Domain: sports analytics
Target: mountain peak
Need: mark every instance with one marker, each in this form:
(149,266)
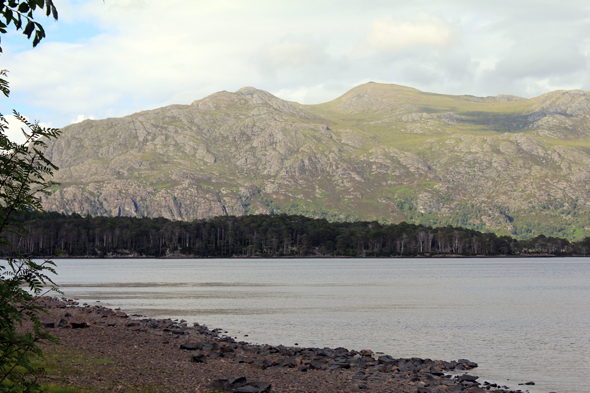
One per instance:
(249,90)
(264,98)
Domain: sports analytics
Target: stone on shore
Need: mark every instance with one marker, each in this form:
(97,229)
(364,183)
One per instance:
(214,356)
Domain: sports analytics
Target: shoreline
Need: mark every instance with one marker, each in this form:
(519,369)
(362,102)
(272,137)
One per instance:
(435,256)
(198,359)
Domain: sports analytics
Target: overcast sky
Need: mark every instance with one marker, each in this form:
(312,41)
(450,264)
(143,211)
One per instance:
(117,57)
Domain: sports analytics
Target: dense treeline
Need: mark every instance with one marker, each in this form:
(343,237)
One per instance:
(262,235)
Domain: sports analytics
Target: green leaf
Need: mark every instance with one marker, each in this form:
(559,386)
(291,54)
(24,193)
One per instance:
(8,15)
(23,8)
(29,29)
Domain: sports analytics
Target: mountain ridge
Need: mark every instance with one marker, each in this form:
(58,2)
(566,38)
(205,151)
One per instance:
(380,152)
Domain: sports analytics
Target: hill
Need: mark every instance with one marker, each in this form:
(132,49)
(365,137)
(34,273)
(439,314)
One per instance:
(379,152)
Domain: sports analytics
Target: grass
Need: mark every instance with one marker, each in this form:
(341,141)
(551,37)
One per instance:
(53,388)
(61,367)
(60,364)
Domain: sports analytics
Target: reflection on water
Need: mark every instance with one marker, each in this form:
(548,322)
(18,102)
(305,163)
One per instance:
(522,319)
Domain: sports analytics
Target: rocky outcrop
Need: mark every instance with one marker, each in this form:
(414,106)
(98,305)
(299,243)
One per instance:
(382,152)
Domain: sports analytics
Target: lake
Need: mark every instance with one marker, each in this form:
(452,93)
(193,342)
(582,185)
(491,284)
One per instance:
(520,319)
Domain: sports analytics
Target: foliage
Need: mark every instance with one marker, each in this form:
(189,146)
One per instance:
(23,170)
(16,306)
(21,13)
(18,14)
(23,173)
(265,236)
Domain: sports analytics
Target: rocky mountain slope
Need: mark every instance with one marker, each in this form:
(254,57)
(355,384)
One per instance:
(379,152)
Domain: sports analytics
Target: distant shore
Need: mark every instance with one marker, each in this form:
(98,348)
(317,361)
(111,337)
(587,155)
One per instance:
(442,256)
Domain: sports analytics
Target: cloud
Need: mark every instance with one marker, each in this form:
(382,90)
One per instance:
(81,118)
(144,56)
(114,58)
(389,34)
(323,92)
(297,61)
(13,132)
(15,127)
(291,53)
(527,60)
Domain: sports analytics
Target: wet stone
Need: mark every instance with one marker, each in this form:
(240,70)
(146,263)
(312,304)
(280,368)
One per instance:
(467,378)
(467,363)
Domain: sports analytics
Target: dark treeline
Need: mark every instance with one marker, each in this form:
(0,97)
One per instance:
(262,235)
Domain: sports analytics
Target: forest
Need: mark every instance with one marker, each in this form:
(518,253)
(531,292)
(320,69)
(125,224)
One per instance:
(55,234)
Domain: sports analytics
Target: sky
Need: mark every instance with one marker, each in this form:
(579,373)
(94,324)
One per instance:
(113,58)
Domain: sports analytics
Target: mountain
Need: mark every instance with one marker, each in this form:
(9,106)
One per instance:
(379,152)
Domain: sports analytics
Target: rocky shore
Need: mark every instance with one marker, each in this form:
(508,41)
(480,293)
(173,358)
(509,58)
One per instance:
(145,354)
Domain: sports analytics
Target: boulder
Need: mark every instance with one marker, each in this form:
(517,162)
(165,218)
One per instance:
(340,364)
(288,362)
(254,387)
(78,325)
(235,382)
(467,378)
(262,364)
(315,365)
(190,346)
(467,363)
(386,359)
(200,358)
(435,371)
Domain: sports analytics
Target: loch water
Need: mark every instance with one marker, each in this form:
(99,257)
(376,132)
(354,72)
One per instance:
(520,319)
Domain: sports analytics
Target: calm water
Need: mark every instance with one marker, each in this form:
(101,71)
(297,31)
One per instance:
(520,319)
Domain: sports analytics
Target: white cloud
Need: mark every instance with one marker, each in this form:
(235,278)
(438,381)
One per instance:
(526,60)
(323,92)
(13,132)
(292,53)
(425,31)
(81,118)
(142,54)
(15,127)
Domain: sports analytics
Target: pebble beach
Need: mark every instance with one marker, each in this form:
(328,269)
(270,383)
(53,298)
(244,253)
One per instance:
(177,356)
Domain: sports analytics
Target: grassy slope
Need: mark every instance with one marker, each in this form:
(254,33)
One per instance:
(484,118)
